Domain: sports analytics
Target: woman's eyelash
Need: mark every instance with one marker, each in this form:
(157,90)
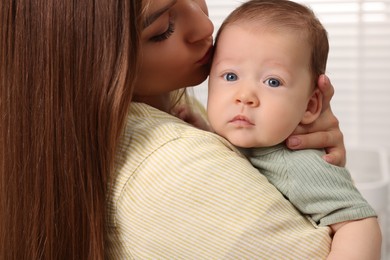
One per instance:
(165,35)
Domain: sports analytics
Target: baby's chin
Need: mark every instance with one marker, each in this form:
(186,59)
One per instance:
(241,143)
(244,139)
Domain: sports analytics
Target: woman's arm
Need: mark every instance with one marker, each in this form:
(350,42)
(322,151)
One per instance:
(322,133)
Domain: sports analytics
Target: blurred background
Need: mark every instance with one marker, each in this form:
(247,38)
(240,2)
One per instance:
(359,68)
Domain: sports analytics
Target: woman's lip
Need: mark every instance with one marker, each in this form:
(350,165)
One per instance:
(207,57)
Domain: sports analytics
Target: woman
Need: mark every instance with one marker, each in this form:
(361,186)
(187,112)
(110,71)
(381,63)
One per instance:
(67,74)
(179,192)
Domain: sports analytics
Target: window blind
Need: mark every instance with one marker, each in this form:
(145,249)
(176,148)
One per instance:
(358,64)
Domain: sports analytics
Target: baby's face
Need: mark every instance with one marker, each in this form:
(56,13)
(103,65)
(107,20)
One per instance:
(259,85)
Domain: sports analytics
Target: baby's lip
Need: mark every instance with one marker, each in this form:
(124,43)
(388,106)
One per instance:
(242,120)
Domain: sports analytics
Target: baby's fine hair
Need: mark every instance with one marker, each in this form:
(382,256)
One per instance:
(288,16)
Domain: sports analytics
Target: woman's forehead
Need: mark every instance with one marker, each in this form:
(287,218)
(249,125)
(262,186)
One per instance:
(153,9)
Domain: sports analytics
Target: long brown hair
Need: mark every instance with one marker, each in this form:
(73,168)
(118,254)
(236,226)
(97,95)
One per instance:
(66,76)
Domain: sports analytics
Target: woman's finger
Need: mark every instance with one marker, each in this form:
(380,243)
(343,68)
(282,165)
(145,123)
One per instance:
(327,90)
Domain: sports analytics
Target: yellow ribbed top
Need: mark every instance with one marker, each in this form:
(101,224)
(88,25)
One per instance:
(183,193)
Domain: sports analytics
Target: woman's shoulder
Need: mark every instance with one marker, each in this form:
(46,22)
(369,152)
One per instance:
(155,143)
(152,137)
(148,126)
(188,181)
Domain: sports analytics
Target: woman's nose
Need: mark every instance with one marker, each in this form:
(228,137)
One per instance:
(199,24)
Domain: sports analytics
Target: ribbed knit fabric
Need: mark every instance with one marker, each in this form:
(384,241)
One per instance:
(183,193)
(317,188)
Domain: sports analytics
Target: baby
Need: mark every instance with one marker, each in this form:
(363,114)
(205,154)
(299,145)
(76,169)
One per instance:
(268,58)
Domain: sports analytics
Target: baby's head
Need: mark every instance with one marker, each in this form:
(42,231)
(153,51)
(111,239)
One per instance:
(285,17)
(269,55)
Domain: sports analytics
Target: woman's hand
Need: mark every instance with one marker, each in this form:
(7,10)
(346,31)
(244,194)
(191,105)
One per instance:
(185,113)
(323,132)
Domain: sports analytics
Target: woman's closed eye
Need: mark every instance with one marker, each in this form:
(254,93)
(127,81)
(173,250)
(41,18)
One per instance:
(165,35)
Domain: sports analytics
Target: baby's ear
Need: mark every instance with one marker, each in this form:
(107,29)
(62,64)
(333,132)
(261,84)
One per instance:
(314,107)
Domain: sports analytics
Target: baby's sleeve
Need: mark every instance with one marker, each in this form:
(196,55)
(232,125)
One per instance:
(324,191)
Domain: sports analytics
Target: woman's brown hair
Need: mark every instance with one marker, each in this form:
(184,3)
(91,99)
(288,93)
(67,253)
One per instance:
(66,76)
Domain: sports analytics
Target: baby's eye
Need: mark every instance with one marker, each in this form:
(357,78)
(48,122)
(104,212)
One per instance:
(230,76)
(272,82)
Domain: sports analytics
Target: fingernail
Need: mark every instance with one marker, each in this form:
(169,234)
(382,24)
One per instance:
(326,79)
(327,158)
(293,141)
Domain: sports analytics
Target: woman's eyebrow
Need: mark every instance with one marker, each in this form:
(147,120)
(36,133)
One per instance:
(153,17)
